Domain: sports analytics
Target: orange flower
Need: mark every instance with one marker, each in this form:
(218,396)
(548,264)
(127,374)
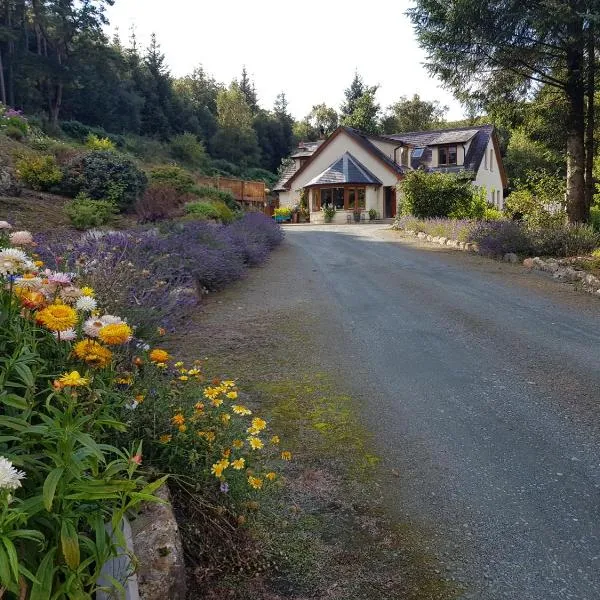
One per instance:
(178,419)
(57,317)
(158,355)
(115,334)
(32,300)
(92,353)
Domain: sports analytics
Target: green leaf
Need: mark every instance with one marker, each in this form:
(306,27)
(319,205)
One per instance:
(42,589)
(14,423)
(14,401)
(88,442)
(50,487)
(5,575)
(26,534)
(69,542)
(25,374)
(13,559)
(152,487)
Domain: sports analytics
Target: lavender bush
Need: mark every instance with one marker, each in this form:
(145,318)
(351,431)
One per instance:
(496,238)
(157,276)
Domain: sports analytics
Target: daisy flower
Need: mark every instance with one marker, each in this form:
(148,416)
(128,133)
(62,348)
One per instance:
(85,304)
(10,478)
(21,238)
(68,335)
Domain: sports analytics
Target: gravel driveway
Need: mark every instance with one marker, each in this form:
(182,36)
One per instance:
(481,385)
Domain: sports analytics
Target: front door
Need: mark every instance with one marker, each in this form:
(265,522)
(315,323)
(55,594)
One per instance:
(389,204)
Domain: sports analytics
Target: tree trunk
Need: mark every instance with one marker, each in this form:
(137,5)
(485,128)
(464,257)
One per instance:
(2,85)
(590,187)
(577,210)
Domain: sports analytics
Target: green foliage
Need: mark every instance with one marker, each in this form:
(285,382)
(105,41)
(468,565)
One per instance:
(212,193)
(283,211)
(372,214)
(160,201)
(93,142)
(595,217)
(214,209)
(38,171)
(413,114)
(525,156)
(427,195)
(14,133)
(187,149)
(492,214)
(328,213)
(173,176)
(86,213)
(539,199)
(82,133)
(102,175)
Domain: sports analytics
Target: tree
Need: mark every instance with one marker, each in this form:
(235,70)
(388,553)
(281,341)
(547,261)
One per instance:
(232,108)
(247,88)
(360,109)
(495,51)
(413,114)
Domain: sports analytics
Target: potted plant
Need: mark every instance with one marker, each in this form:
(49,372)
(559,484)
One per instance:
(282,214)
(356,212)
(328,213)
(372,214)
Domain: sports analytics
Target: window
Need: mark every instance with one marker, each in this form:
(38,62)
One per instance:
(485,161)
(447,155)
(418,152)
(362,195)
(316,200)
(491,160)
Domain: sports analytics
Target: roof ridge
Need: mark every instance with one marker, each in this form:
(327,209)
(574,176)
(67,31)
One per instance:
(464,128)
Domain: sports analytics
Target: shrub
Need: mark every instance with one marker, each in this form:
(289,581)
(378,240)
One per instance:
(102,174)
(93,142)
(212,193)
(595,217)
(539,200)
(372,214)
(14,133)
(13,123)
(328,213)
(173,176)
(220,166)
(218,211)
(453,229)
(496,238)
(160,201)
(257,174)
(38,171)
(80,132)
(148,149)
(189,150)
(86,213)
(426,195)
(492,214)
(563,240)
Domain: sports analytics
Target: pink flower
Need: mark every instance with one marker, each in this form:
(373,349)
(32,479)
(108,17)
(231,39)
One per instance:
(5,225)
(66,336)
(58,277)
(137,459)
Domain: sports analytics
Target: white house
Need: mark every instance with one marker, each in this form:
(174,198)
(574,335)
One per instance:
(356,171)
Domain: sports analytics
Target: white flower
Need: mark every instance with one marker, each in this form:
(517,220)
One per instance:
(111,320)
(92,326)
(21,238)
(66,336)
(70,294)
(5,225)
(12,261)
(85,304)
(10,478)
(29,283)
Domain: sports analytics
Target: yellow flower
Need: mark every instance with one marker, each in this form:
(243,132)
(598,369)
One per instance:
(238,464)
(238,409)
(199,406)
(183,378)
(165,439)
(255,482)
(57,317)
(216,402)
(225,418)
(237,444)
(38,263)
(140,398)
(194,371)
(211,392)
(258,424)
(178,419)
(87,291)
(275,440)
(159,356)
(232,395)
(218,468)
(255,443)
(72,379)
(115,334)
(229,384)
(209,436)
(92,353)
(178,364)
(285,455)
(182,428)
(271,476)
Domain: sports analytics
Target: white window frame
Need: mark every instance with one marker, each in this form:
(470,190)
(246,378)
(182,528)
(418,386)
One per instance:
(491,159)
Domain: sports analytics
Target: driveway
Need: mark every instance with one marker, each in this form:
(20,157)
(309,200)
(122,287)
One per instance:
(481,385)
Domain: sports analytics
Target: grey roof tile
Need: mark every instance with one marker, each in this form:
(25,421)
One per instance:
(345,169)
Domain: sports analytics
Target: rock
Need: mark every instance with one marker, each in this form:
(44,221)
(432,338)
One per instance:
(157,546)
(9,185)
(511,257)
(410,232)
(551,265)
(429,238)
(443,240)
(528,263)
(421,235)
(567,274)
(592,281)
(538,262)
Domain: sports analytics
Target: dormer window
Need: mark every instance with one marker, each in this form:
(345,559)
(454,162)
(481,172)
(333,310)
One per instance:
(447,155)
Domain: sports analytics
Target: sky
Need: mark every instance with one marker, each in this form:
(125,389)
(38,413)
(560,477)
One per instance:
(309,49)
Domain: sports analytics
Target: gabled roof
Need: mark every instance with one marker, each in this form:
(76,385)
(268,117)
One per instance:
(345,169)
(362,139)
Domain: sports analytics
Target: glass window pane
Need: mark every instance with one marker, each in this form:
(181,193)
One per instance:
(362,194)
(443,156)
(338,198)
(351,198)
(316,195)
(326,196)
(452,155)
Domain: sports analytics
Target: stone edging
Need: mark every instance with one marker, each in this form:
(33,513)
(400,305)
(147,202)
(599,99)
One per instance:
(562,270)
(442,241)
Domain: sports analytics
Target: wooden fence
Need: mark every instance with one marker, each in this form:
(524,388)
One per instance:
(251,193)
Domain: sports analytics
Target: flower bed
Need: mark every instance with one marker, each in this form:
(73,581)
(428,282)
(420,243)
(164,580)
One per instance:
(156,276)
(78,390)
(501,237)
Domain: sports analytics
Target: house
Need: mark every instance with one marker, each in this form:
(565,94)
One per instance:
(357,171)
